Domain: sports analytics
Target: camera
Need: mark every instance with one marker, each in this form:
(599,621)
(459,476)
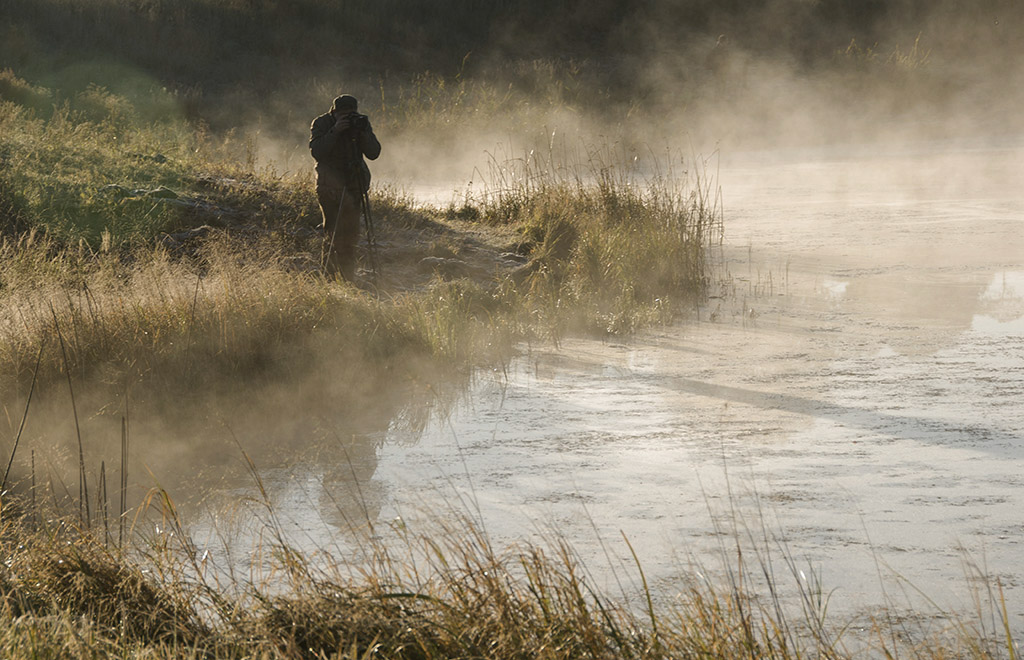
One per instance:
(357,121)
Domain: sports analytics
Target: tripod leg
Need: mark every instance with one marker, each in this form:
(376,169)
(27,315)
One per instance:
(333,263)
(371,239)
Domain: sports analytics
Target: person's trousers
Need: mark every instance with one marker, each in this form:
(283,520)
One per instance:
(339,204)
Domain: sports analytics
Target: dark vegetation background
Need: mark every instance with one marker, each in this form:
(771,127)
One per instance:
(229,62)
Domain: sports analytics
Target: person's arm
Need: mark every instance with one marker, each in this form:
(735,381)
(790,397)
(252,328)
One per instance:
(323,137)
(368,142)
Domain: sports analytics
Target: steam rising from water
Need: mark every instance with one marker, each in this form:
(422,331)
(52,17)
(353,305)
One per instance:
(917,74)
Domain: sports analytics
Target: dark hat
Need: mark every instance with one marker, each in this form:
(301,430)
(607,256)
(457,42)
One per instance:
(345,103)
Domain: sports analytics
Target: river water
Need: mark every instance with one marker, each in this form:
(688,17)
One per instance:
(852,392)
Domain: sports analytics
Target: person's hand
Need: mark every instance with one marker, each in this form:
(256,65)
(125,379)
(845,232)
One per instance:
(341,124)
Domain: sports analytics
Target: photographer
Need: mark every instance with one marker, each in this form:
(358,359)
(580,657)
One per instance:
(338,142)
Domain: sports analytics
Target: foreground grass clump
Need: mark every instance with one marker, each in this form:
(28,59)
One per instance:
(68,595)
(446,594)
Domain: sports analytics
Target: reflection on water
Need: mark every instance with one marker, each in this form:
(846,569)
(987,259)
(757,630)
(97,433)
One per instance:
(223,456)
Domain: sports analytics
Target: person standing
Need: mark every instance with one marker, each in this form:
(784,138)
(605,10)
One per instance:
(338,142)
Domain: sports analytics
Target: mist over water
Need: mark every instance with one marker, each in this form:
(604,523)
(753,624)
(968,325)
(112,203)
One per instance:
(856,388)
(853,385)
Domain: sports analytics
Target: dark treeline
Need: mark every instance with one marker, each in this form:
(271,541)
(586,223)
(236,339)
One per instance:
(232,62)
(218,42)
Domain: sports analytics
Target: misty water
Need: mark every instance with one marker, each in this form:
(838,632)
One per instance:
(853,391)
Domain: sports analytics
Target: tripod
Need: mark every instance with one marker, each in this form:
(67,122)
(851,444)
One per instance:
(371,237)
(367,214)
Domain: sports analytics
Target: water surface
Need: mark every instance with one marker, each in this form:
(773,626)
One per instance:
(855,386)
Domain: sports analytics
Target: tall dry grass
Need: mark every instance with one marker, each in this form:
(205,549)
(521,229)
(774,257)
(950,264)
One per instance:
(619,237)
(445,591)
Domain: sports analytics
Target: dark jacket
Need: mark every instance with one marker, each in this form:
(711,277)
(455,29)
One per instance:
(343,152)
